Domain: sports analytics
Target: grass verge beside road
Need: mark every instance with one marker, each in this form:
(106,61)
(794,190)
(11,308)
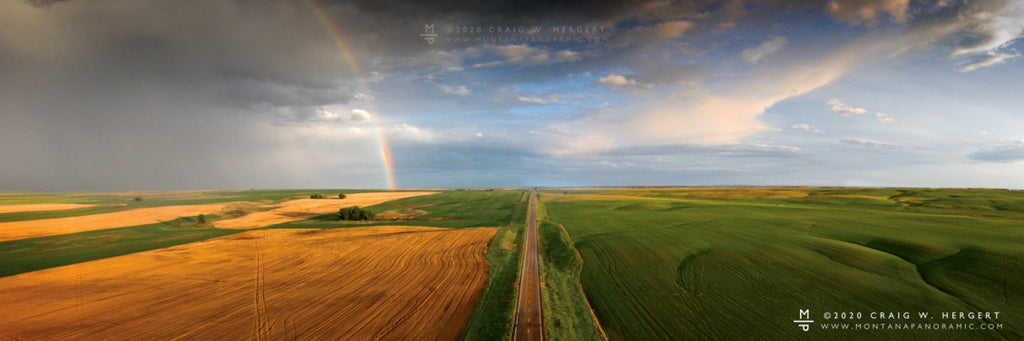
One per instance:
(494,315)
(567,314)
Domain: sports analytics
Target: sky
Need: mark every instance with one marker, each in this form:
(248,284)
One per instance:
(235,94)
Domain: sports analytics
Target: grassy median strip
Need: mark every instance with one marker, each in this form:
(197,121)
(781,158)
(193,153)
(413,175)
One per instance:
(567,315)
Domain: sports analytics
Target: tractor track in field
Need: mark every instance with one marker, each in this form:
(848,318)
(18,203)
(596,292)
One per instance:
(261,322)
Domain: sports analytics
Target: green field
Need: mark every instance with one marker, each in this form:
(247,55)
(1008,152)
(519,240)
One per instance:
(733,264)
(19,256)
(452,209)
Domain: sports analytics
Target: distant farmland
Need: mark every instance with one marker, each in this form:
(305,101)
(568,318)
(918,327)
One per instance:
(719,263)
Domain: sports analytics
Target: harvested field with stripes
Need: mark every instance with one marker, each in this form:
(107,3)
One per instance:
(390,282)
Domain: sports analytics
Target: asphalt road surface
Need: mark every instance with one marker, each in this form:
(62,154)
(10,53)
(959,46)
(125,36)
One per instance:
(529,321)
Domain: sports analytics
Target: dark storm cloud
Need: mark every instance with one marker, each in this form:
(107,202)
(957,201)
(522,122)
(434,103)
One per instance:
(527,11)
(970,30)
(247,47)
(158,95)
(43,3)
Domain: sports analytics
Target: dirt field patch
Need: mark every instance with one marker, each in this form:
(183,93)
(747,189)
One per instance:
(344,284)
(49,227)
(307,208)
(40,207)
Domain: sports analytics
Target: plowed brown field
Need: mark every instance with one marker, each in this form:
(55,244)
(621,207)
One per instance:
(49,227)
(354,284)
(40,207)
(307,208)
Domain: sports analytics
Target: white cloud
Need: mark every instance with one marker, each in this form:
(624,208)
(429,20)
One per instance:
(549,99)
(754,54)
(479,134)
(411,132)
(986,59)
(406,128)
(807,127)
(373,77)
(653,33)
(883,117)
(522,55)
(867,11)
(840,108)
(872,143)
(1008,153)
(460,90)
(363,96)
(619,81)
(359,115)
(560,143)
(534,100)
(324,115)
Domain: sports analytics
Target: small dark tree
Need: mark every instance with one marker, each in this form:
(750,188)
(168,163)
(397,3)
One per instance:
(316,196)
(201,219)
(138,199)
(341,195)
(355,213)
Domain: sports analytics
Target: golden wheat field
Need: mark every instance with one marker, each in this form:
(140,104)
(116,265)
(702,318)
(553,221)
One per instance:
(300,209)
(359,284)
(140,216)
(40,207)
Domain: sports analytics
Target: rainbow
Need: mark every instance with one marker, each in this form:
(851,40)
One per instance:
(382,142)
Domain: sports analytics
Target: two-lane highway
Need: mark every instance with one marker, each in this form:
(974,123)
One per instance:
(529,320)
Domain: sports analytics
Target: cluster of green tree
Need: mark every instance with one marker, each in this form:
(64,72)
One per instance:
(321,196)
(355,213)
